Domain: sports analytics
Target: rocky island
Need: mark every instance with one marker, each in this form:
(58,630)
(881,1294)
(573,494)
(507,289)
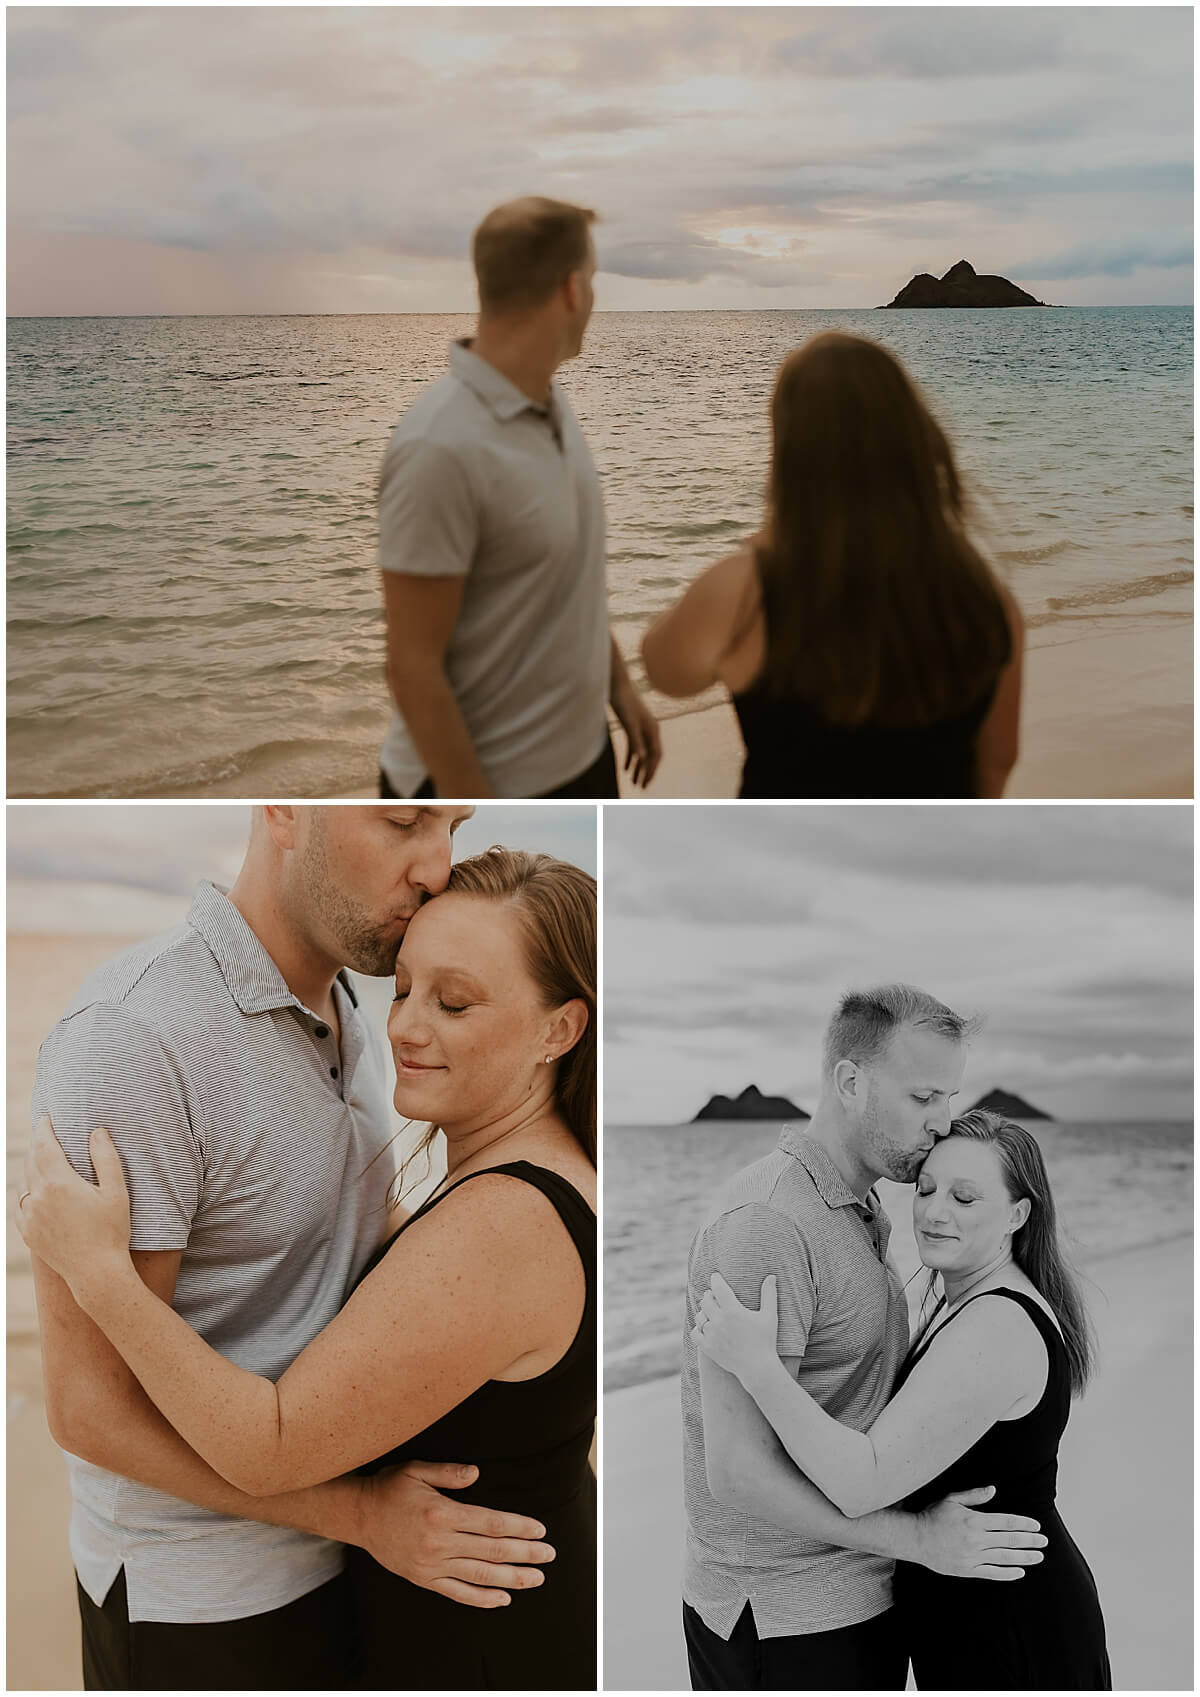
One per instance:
(961,286)
(1012,1107)
(750,1105)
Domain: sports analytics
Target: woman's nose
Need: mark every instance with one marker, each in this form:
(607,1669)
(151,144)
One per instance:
(405,1024)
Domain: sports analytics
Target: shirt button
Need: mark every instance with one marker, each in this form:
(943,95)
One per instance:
(333,1072)
(321,1030)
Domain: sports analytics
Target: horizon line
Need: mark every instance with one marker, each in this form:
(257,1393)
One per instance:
(623,312)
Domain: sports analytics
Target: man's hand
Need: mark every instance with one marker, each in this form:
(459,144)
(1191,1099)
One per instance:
(471,1555)
(643,746)
(955,1539)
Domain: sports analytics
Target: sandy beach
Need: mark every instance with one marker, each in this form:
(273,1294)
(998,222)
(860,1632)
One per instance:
(1107,714)
(1124,1487)
(43,1633)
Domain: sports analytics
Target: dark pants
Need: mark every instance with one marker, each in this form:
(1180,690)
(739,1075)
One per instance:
(304,1646)
(598,783)
(868,1657)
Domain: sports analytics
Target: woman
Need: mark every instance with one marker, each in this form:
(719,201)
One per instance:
(983,1398)
(869,649)
(472,1332)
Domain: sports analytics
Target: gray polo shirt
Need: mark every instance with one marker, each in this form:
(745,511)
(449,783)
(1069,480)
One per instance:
(479,482)
(842,1309)
(249,1141)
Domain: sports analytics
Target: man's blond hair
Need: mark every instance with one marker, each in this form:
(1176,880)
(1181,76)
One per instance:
(526,249)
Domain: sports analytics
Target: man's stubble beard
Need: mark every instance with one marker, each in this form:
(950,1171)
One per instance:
(901,1166)
(360,943)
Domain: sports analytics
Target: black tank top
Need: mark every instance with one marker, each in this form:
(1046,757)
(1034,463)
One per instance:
(792,751)
(530,1439)
(536,1432)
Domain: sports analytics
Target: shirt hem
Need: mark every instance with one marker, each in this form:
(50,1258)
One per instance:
(798,1630)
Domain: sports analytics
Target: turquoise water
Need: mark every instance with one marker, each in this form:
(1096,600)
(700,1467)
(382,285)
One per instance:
(192,595)
(1116,1185)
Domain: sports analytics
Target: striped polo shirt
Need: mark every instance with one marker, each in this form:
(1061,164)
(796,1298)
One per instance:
(844,1322)
(249,1140)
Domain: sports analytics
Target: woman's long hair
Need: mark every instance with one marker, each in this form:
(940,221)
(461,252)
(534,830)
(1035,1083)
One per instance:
(877,605)
(1036,1248)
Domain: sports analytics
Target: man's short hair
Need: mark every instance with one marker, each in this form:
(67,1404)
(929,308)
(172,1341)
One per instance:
(862,1027)
(526,249)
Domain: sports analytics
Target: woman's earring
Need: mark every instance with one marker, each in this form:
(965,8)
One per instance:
(549,1058)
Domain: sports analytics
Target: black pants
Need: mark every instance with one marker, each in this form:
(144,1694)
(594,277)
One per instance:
(304,1646)
(598,783)
(868,1657)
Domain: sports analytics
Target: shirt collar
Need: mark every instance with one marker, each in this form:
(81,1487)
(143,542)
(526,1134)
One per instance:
(255,982)
(831,1186)
(493,388)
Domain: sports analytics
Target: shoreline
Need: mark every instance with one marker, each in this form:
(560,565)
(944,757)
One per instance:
(1084,1262)
(1107,715)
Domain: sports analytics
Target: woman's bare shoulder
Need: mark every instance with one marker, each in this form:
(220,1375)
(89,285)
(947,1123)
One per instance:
(493,1219)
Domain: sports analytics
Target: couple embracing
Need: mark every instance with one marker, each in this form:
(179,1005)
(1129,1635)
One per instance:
(859,1500)
(266,1374)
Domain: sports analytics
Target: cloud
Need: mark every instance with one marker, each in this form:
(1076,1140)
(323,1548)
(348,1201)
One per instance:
(1117,256)
(730,932)
(381,135)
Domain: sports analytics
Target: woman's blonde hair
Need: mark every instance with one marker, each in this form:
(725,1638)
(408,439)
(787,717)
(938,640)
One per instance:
(877,605)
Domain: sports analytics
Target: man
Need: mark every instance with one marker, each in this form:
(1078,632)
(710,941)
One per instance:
(491,519)
(249,1103)
(780,1589)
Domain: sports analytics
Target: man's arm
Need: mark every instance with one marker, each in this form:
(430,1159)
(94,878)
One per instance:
(748,1470)
(421,615)
(428,535)
(98,1411)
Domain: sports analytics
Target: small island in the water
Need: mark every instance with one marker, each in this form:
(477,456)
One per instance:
(750,1105)
(962,286)
(1012,1107)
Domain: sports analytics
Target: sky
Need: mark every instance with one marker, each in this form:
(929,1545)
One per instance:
(129,869)
(729,934)
(336,159)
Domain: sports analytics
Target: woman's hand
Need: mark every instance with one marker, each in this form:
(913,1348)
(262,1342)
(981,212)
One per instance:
(740,1340)
(81,1230)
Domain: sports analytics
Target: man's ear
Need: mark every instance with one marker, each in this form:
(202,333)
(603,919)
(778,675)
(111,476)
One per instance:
(283,824)
(847,1080)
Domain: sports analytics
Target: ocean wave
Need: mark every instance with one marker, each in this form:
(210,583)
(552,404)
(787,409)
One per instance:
(266,768)
(1037,555)
(1113,594)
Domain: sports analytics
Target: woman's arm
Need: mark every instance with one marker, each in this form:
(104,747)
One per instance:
(467,1292)
(971,1376)
(999,739)
(683,650)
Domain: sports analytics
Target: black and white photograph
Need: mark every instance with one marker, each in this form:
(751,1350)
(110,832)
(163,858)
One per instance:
(898,1156)
(301,1387)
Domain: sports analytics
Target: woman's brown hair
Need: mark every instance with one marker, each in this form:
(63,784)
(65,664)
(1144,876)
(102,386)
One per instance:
(877,605)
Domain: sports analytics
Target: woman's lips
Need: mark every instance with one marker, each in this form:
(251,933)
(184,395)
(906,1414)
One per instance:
(415,1069)
(938,1237)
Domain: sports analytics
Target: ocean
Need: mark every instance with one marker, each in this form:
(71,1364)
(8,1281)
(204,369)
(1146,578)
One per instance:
(193,606)
(1117,1186)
